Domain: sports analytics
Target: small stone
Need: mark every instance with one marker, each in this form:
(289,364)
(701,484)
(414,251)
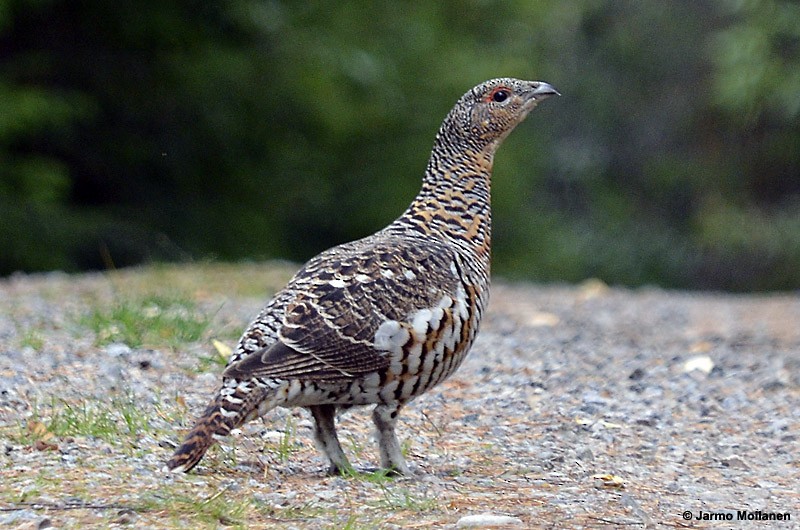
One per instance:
(471,418)
(541,319)
(117,349)
(648,421)
(125,517)
(17,517)
(327,495)
(487,520)
(773,385)
(274,436)
(39,524)
(592,288)
(636,375)
(700,363)
(735,462)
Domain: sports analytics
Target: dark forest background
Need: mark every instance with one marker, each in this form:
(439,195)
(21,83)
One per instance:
(244,129)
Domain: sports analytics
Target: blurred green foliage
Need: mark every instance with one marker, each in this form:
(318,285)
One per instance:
(254,128)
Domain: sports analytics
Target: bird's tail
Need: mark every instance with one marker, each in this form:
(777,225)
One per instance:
(236,403)
(211,423)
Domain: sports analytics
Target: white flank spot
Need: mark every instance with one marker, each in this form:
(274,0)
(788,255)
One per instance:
(372,380)
(461,303)
(386,273)
(339,284)
(387,392)
(409,275)
(453,268)
(234,400)
(396,366)
(420,323)
(436,318)
(445,302)
(413,362)
(294,390)
(415,350)
(391,336)
(449,339)
(427,367)
(456,334)
(227,413)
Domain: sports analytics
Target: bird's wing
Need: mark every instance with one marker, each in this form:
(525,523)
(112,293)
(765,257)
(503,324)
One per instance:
(339,301)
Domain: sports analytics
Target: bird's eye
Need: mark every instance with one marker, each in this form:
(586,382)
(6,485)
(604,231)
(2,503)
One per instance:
(500,95)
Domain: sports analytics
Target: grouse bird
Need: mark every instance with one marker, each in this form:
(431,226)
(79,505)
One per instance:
(380,320)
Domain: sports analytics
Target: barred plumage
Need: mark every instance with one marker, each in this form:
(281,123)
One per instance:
(385,318)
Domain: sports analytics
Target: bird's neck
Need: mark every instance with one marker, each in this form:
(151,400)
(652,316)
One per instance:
(454,202)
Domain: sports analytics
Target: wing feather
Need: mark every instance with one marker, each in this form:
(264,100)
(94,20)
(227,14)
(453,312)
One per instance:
(340,298)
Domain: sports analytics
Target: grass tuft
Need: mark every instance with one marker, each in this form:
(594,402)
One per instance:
(218,509)
(154,320)
(403,499)
(33,339)
(112,420)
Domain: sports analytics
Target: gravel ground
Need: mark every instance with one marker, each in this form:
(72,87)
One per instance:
(579,407)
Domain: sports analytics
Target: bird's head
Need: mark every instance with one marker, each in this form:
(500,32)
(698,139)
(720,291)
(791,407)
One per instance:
(487,113)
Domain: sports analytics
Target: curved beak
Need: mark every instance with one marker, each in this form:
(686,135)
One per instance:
(542,90)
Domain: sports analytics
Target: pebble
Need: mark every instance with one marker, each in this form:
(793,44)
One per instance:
(487,520)
(700,363)
(118,349)
(18,517)
(734,461)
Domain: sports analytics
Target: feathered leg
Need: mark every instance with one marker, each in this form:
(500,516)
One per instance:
(385,419)
(326,438)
